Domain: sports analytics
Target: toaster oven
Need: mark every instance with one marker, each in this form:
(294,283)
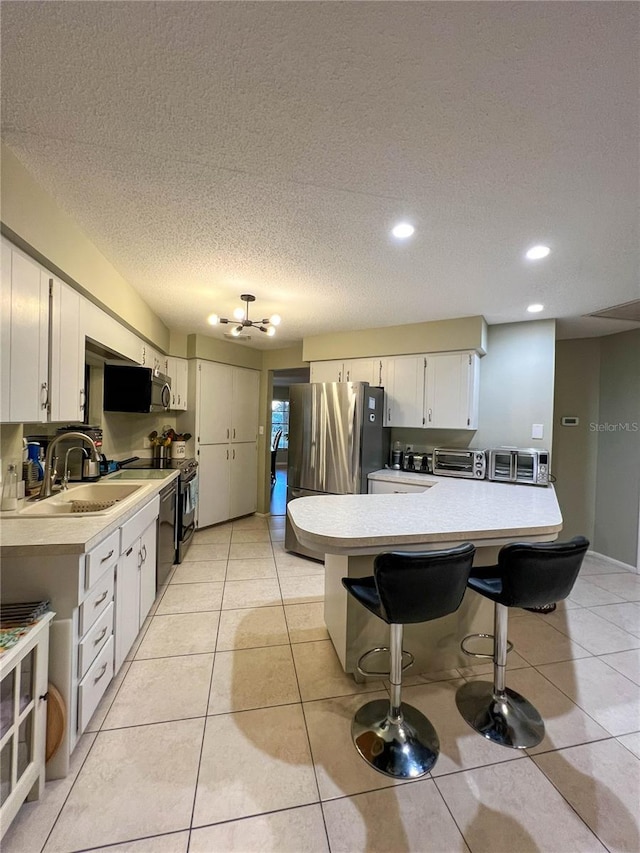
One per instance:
(459,462)
(519,465)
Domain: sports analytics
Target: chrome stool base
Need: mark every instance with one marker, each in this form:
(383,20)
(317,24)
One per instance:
(403,747)
(504,717)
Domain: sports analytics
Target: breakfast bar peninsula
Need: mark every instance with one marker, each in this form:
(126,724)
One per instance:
(351,529)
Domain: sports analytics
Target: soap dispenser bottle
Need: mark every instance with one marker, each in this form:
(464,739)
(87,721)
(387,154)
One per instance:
(10,488)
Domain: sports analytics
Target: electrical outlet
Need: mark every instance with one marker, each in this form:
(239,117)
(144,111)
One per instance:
(146,443)
(409,448)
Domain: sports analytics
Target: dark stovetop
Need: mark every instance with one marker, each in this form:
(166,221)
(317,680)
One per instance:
(161,463)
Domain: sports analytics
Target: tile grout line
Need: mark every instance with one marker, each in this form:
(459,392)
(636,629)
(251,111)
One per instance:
(446,805)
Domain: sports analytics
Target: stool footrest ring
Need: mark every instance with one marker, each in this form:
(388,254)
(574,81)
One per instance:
(370,672)
(481,637)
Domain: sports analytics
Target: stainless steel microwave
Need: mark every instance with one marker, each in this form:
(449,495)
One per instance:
(459,462)
(519,465)
(133,388)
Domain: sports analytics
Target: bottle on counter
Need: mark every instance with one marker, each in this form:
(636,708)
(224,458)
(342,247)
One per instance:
(396,457)
(10,488)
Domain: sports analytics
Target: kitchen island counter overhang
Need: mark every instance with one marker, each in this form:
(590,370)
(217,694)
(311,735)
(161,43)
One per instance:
(351,529)
(448,512)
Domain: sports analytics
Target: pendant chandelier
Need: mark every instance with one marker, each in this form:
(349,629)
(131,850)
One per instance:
(241,319)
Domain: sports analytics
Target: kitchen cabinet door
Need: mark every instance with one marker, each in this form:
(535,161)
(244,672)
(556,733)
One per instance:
(25,339)
(67,354)
(403,380)
(177,369)
(363,370)
(244,479)
(326,371)
(452,391)
(127,621)
(148,555)
(244,406)
(214,384)
(213,483)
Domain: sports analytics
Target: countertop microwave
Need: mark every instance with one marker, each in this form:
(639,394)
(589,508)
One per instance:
(133,388)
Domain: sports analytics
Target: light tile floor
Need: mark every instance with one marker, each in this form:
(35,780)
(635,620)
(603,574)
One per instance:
(228,728)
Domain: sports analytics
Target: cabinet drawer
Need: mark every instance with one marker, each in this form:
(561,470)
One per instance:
(93,685)
(382,487)
(96,602)
(100,558)
(96,637)
(135,527)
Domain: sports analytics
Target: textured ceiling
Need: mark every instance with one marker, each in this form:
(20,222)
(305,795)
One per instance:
(211,148)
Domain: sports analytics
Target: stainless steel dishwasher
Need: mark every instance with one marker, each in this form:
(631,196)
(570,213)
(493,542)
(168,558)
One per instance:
(167,531)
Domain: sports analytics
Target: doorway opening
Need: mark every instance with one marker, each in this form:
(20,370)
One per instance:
(279,434)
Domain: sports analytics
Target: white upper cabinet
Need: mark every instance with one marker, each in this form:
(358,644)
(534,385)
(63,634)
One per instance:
(67,353)
(24,330)
(354,370)
(452,391)
(326,371)
(213,403)
(244,404)
(403,381)
(178,371)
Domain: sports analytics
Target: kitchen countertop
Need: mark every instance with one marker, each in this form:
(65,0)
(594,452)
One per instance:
(450,510)
(55,535)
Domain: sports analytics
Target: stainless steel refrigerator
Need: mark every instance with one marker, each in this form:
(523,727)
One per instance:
(336,439)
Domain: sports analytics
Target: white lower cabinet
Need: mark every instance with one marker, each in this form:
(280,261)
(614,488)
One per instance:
(135,577)
(100,599)
(227,481)
(244,479)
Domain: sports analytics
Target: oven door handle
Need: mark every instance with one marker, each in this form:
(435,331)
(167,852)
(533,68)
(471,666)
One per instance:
(188,532)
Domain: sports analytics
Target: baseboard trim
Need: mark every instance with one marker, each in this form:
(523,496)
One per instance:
(625,566)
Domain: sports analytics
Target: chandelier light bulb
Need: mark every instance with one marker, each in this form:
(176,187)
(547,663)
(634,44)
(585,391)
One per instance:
(213,319)
(237,330)
(402,230)
(271,331)
(238,313)
(536,253)
(275,320)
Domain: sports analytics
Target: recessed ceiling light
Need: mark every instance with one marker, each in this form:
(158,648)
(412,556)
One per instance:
(536,253)
(535,308)
(402,230)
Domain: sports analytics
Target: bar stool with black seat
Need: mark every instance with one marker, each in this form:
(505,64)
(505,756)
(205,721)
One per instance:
(393,737)
(527,575)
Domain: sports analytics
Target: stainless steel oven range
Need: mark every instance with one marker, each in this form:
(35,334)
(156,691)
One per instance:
(187,499)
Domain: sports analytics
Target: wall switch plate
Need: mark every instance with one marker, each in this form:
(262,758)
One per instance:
(537,430)
(146,443)
(260,430)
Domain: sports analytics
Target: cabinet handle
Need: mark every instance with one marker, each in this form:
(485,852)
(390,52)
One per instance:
(44,404)
(109,555)
(234,453)
(178,399)
(339,376)
(101,636)
(388,414)
(234,432)
(102,672)
(429,414)
(101,599)
(227,454)
(227,433)
(144,553)
(348,375)
(82,399)
(129,551)
(140,560)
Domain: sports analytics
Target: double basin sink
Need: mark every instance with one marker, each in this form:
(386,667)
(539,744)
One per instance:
(81,501)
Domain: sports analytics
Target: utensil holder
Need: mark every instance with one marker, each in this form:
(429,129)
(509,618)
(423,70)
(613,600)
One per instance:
(178,449)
